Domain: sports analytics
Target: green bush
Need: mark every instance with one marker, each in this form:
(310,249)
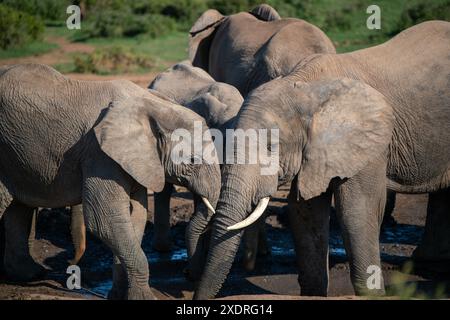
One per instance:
(439,10)
(117,21)
(112,60)
(53,10)
(18,28)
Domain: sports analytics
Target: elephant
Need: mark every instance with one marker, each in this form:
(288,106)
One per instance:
(218,103)
(102,144)
(248,49)
(350,126)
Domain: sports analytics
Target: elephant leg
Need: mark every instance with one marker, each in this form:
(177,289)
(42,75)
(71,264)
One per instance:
(255,243)
(78,233)
(388,219)
(19,235)
(435,244)
(106,207)
(139,205)
(360,203)
(197,240)
(250,240)
(162,241)
(263,245)
(5,200)
(309,221)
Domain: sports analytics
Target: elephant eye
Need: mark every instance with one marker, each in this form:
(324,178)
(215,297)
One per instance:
(195,160)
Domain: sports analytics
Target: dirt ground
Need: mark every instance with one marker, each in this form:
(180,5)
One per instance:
(62,55)
(274,277)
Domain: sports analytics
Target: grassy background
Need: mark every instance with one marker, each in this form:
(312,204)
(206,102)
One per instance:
(152,34)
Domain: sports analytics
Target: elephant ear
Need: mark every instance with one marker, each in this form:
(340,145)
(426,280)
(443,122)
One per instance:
(201,35)
(265,12)
(210,108)
(351,126)
(126,136)
(220,103)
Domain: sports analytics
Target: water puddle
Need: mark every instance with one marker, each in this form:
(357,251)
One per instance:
(281,249)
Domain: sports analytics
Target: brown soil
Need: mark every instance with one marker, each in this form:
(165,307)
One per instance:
(61,55)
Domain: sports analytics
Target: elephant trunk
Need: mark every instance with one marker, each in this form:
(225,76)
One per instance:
(196,232)
(197,240)
(234,203)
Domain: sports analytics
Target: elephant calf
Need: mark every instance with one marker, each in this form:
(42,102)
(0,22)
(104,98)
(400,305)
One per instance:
(218,103)
(102,144)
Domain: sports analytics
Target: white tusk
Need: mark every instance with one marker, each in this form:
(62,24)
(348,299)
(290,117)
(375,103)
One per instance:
(208,205)
(259,210)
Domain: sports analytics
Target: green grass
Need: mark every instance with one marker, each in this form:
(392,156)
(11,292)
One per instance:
(165,50)
(357,35)
(343,21)
(34,48)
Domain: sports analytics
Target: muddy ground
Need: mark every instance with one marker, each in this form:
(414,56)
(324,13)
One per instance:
(274,277)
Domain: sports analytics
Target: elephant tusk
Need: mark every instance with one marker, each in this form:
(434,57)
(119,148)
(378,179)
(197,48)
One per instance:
(259,210)
(208,205)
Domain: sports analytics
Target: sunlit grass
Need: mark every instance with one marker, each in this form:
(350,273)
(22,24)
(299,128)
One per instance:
(403,288)
(34,48)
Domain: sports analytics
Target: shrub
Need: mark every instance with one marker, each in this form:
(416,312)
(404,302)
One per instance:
(112,60)
(231,6)
(117,23)
(18,28)
(423,11)
(54,10)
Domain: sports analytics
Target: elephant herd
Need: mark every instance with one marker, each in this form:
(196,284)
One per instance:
(352,127)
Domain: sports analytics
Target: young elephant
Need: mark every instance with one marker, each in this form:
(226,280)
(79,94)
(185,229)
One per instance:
(102,144)
(218,103)
(350,125)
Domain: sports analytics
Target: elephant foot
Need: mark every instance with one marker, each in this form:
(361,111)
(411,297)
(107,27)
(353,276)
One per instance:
(249,261)
(140,293)
(24,270)
(162,244)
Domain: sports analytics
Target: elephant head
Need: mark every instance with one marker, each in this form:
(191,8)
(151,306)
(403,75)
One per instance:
(248,49)
(202,32)
(328,129)
(143,135)
(195,89)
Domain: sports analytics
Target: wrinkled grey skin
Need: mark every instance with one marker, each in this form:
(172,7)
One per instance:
(248,49)
(218,103)
(102,144)
(351,125)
